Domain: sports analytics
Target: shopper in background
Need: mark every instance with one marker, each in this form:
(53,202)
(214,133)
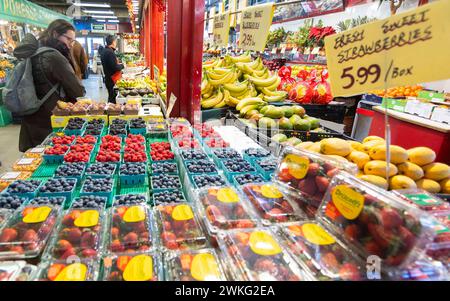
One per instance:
(98,67)
(49,69)
(80,59)
(111,66)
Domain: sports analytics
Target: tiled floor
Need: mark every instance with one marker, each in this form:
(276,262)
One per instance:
(9,135)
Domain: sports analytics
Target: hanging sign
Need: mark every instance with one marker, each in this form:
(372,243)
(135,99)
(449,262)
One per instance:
(408,48)
(232,8)
(255,25)
(212,12)
(221,29)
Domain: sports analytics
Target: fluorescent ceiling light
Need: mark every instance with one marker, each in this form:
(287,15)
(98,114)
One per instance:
(92,4)
(113,21)
(108,12)
(100,20)
(106,17)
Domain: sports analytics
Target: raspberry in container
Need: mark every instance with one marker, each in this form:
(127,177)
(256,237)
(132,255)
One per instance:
(8,177)
(308,174)
(195,265)
(140,266)
(80,234)
(224,209)
(271,204)
(26,233)
(27,164)
(257,255)
(179,227)
(62,270)
(374,222)
(131,229)
(320,253)
(424,201)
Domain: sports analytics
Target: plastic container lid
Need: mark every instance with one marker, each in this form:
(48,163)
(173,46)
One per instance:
(195,265)
(270,203)
(61,270)
(80,233)
(319,252)
(375,222)
(224,209)
(140,266)
(424,201)
(179,228)
(308,173)
(26,233)
(130,229)
(257,255)
(9,270)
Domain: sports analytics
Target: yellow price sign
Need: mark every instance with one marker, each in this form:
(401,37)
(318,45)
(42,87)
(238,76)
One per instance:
(221,29)
(255,25)
(408,48)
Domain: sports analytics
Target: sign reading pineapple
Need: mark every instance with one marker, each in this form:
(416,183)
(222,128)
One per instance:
(405,49)
(255,26)
(221,29)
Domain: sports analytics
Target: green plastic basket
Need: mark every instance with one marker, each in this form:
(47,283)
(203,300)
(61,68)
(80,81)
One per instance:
(135,190)
(45,170)
(5,116)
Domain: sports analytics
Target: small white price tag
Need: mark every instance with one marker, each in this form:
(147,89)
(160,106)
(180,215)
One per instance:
(10,175)
(37,150)
(283,50)
(315,50)
(25,161)
(307,51)
(274,50)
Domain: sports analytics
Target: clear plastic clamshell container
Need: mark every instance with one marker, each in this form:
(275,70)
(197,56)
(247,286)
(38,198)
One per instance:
(131,229)
(374,222)
(27,273)
(439,249)
(4,215)
(80,233)
(195,265)
(9,270)
(320,253)
(224,209)
(69,270)
(140,266)
(26,233)
(271,204)
(424,201)
(308,174)
(179,228)
(423,269)
(257,255)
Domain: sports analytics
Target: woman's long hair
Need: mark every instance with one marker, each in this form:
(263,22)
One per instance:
(49,37)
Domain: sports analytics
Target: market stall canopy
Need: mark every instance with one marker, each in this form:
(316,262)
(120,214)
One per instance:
(23,11)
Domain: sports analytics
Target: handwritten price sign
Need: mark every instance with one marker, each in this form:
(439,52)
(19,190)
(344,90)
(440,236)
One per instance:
(405,49)
(221,29)
(255,24)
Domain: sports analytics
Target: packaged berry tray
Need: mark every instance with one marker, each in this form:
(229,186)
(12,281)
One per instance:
(140,266)
(107,194)
(255,178)
(26,195)
(267,174)
(252,154)
(229,174)
(61,270)
(167,197)
(157,166)
(78,177)
(69,195)
(93,175)
(133,179)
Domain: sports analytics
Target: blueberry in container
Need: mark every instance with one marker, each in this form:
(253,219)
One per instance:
(101,170)
(168,196)
(242,179)
(165,182)
(102,187)
(266,167)
(253,154)
(132,173)
(24,188)
(164,168)
(233,167)
(59,187)
(193,154)
(72,170)
(129,199)
(208,180)
(90,201)
(53,200)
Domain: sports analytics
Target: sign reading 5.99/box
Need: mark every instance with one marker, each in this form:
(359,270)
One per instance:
(255,26)
(408,48)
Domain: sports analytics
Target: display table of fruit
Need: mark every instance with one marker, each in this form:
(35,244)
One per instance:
(209,203)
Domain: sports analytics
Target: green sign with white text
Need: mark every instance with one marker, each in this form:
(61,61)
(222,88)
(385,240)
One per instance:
(23,11)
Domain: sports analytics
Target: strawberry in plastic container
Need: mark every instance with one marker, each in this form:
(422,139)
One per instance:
(287,82)
(302,92)
(322,90)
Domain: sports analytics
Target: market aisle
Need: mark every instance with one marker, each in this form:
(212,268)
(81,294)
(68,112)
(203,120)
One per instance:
(95,88)
(9,146)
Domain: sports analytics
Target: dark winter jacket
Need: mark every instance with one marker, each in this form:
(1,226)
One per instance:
(110,62)
(49,68)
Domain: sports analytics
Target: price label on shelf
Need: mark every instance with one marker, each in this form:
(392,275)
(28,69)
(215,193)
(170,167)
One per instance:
(315,50)
(25,161)
(307,51)
(10,176)
(405,49)
(221,29)
(274,50)
(283,50)
(255,25)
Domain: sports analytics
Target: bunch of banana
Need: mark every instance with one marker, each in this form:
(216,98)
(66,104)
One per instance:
(248,104)
(213,101)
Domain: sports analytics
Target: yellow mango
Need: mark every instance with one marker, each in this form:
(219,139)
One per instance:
(378,168)
(304,145)
(401,182)
(356,145)
(429,185)
(398,154)
(335,146)
(372,138)
(340,158)
(315,148)
(445,185)
(375,180)
(368,145)
(410,170)
(436,171)
(359,158)
(421,155)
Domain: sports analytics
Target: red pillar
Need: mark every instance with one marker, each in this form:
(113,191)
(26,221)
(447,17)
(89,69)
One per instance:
(156,36)
(184,55)
(147,36)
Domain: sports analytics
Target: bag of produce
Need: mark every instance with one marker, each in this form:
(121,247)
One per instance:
(322,90)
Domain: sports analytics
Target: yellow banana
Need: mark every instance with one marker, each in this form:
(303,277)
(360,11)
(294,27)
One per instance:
(226,79)
(275,98)
(264,73)
(245,95)
(232,101)
(245,58)
(250,101)
(264,82)
(253,91)
(221,104)
(273,93)
(216,76)
(211,102)
(237,88)
(222,70)
(275,85)
(247,109)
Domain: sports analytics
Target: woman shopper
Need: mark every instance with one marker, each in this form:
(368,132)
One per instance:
(49,69)
(110,66)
